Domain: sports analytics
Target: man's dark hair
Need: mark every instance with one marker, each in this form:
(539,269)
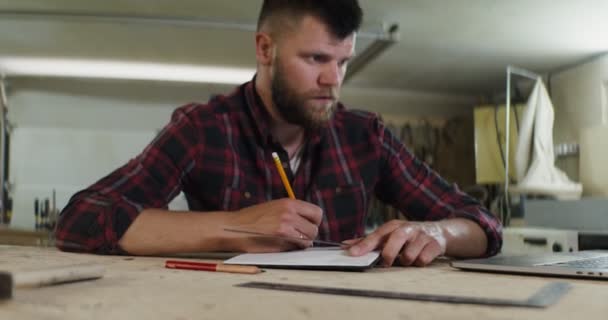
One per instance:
(342,17)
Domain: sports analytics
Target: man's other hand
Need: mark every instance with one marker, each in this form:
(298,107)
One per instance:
(413,243)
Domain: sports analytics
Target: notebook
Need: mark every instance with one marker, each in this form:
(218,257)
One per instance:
(583,264)
(322,258)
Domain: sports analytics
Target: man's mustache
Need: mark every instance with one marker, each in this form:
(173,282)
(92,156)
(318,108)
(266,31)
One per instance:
(333,94)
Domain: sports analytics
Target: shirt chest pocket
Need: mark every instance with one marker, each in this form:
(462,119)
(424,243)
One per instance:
(345,209)
(239,197)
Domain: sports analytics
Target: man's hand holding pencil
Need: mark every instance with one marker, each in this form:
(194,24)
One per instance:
(287,218)
(284,218)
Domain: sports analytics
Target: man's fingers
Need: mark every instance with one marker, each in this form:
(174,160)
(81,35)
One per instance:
(300,239)
(352,241)
(304,229)
(366,245)
(431,251)
(297,220)
(395,242)
(370,242)
(347,244)
(374,239)
(309,211)
(412,250)
(413,243)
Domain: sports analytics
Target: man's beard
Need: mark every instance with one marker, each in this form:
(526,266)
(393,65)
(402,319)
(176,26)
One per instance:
(291,106)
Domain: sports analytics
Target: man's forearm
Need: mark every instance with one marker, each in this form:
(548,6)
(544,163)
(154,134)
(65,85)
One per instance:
(464,238)
(157,231)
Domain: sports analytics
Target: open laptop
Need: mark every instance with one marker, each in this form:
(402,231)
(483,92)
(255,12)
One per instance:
(582,264)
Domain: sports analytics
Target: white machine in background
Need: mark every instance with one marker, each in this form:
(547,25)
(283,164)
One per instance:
(525,240)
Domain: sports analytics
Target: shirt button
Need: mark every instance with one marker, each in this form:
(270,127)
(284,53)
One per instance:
(338,190)
(247,195)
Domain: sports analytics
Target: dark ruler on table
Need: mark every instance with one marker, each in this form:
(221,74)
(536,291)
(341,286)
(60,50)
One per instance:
(544,297)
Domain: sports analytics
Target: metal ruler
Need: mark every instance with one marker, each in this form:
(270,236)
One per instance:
(546,296)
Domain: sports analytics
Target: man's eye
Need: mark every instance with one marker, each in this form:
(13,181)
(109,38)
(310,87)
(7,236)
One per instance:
(317,58)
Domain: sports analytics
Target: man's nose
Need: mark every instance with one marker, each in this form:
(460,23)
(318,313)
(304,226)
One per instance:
(331,75)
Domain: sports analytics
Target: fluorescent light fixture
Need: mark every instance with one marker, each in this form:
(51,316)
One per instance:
(102,69)
(381,43)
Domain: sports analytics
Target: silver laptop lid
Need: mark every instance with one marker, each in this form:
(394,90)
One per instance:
(584,264)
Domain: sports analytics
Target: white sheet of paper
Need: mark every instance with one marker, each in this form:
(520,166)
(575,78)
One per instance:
(311,257)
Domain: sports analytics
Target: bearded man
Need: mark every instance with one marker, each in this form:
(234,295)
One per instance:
(220,155)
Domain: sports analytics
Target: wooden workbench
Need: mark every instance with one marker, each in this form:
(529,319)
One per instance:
(141,288)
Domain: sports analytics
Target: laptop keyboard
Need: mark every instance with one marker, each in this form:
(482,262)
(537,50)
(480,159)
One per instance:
(591,263)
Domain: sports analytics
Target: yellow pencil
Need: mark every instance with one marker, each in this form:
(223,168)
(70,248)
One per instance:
(277,162)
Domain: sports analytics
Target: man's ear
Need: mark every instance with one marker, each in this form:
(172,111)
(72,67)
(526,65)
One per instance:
(264,47)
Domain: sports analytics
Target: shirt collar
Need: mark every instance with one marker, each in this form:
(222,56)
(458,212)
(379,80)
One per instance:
(259,113)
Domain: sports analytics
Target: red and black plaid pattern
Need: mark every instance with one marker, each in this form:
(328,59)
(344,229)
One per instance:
(219,155)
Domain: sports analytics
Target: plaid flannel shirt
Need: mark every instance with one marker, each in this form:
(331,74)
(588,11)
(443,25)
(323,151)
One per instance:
(219,155)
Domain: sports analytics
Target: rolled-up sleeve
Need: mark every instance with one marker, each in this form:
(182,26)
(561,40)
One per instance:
(96,218)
